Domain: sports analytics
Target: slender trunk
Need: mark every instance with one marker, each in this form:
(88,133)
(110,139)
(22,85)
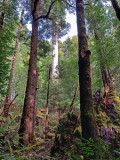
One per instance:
(13,100)
(46,121)
(26,131)
(116,8)
(88,123)
(2,15)
(55,68)
(74,98)
(8,97)
(36,85)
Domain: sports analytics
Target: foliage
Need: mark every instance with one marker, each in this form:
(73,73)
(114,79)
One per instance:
(7,41)
(102,22)
(91,149)
(6,47)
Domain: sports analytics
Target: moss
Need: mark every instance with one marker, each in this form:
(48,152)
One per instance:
(102,119)
(67,133)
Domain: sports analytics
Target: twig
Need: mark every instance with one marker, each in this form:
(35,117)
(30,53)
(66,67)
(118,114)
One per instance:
(13,100)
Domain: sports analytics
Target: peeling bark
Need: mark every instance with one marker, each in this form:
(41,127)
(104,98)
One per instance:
(2,15)
(8,97)
(88,123)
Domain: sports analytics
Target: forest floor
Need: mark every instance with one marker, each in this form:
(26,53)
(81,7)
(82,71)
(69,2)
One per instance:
(9,148)
(9,138)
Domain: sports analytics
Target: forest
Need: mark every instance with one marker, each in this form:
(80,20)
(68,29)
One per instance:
(59,100)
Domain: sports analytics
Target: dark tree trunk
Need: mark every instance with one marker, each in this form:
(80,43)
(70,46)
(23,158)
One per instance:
(8,97)
(26,131)
(2,15)
(46,121)
(116,8)
(74,98)
(88,123)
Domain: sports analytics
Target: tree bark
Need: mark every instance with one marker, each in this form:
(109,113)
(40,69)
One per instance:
(46,121)
(55,68)
(26,131)
(116,8)
(2,15)
(88,123)
(8,97)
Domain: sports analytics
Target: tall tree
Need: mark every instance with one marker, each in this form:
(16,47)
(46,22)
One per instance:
(10,86)
(26,131)
(55,68)
(88,123)
(57,28)
(2,15)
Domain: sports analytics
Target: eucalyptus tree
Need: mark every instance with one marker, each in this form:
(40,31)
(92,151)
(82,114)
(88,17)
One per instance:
(59,28)
(56,28)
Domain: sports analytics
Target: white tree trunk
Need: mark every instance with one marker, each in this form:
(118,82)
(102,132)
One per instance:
(55,68)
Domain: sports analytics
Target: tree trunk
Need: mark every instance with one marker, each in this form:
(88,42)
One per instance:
(88,123)
(26,131)
(74,98)
(116,8)
(36,84)
(8,97)
(2,15)
(55,68)
(46,121)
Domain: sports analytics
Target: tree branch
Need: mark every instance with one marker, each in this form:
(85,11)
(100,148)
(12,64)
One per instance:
(47,15)
(13,100)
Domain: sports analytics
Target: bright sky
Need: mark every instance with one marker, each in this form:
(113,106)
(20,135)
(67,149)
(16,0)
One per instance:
(71,18)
